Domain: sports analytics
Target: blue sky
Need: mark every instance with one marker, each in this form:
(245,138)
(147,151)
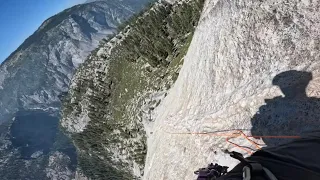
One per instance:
(20,18)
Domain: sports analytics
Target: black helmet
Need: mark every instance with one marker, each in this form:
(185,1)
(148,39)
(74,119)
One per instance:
(291,78)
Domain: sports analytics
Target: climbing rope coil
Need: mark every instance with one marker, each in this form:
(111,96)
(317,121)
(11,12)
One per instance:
(238,134)
(212,172)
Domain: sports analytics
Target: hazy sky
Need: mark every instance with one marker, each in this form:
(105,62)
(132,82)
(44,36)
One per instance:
(20,18)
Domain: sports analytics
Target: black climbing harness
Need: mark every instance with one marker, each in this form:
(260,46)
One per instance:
(252,168)
(211,172)
(250,171)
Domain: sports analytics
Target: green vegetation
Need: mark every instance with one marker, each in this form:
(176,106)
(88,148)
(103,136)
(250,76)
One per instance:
(20,169)
(14,166)
(147,60)
(134,18)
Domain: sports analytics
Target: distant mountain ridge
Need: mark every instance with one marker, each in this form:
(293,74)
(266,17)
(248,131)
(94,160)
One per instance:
(53,52)
(33,79)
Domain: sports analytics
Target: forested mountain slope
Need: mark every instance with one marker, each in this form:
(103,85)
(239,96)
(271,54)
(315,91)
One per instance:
(109,109)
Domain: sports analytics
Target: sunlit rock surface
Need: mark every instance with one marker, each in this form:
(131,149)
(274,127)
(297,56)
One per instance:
(227,79)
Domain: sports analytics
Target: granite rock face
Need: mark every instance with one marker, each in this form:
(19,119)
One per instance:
(237,75)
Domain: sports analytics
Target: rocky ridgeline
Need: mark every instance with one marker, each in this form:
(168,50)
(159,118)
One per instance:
(33,80)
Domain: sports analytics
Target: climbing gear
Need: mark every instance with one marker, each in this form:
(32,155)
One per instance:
(235,133)
(247,149)
(252,169)
(211,172)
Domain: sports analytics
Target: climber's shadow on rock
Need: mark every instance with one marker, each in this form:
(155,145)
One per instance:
(294,114)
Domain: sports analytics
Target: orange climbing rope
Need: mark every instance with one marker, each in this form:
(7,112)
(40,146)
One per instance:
(239,133)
